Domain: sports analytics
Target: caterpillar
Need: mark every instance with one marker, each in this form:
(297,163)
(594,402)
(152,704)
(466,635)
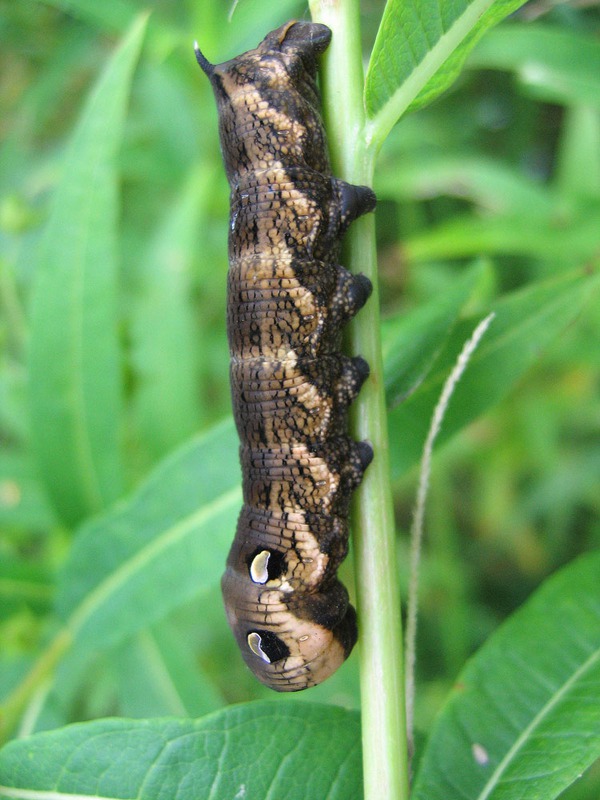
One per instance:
(288,299)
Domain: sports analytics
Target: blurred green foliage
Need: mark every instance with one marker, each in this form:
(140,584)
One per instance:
(484,197)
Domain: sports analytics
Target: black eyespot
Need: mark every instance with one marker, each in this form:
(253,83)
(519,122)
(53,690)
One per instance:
(268,646)
(265,565)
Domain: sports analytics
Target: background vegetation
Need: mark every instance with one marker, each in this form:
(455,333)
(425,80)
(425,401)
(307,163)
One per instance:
(118,426)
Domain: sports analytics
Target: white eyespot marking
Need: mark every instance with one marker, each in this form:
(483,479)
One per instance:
(303,638)
(480,754)
(259,567)
(255,644)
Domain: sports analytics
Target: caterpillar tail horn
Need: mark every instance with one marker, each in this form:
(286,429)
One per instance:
(204,63)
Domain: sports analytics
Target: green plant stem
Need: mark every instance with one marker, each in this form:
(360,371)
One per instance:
(385,757)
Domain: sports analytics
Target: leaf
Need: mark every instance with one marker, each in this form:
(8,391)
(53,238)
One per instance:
(258,750)
(23,584)
(75,370)
(566,243)
(554,64)
(23,504)
(411,342)
(158,675)
(130,568)
(419,51)
(167,544)
(166,404)
(494,187)
(115,17)
(524,718)
(525,323)
(579,154)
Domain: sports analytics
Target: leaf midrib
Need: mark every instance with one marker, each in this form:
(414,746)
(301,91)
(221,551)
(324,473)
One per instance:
(33,794)
(378,127)
(527,732)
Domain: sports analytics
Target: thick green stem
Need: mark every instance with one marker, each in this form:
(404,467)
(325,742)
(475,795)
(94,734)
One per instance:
(385,756)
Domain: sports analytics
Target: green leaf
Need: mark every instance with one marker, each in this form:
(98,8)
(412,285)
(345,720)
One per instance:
(523,721)
(158,675)
(166,401)
(525,324)
(167,544)
(555,65)
(75,370)
(259,750)
(130,568)
(419,51)
(23,584)
(411,342)
(494,187)
(567,242)
(115,17)
(23,504)
(579,154)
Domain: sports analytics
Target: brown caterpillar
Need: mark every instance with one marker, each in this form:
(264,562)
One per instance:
(291,387)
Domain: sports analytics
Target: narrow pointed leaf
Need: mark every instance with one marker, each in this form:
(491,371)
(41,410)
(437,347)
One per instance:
(493,186)
(112,15)
(578,172)
(75,370)
(411,342)
(115,17)
(556,65)
(523,721)
(525,324)
(166,401)
(466,236)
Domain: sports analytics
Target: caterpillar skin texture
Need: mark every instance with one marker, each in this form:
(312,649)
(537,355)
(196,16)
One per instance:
(291,387)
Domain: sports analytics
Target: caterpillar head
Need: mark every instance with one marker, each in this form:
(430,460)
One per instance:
(268,100)
(294,46)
